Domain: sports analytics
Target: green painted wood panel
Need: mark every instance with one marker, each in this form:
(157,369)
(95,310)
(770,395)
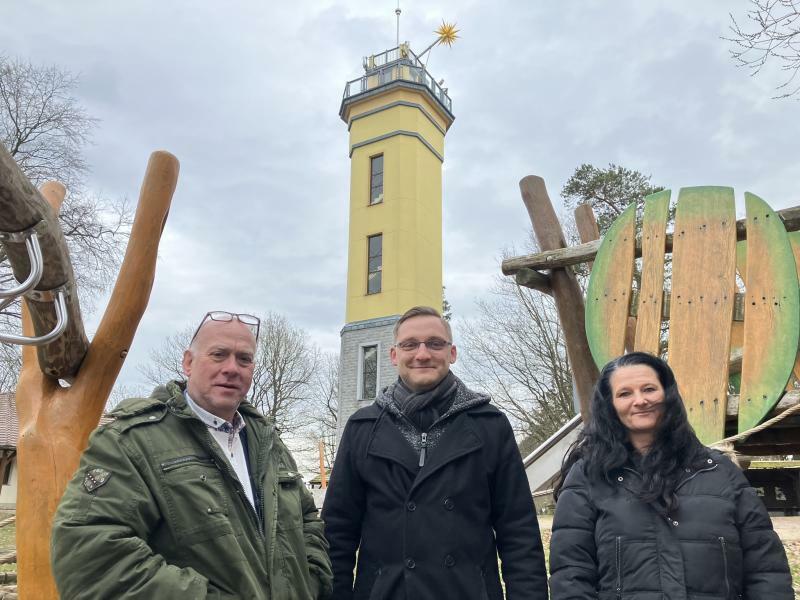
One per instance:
(701,307)
(771,313)
(651,294)
(609,293)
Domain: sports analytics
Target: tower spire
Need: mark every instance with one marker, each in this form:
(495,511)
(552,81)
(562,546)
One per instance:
(397,12)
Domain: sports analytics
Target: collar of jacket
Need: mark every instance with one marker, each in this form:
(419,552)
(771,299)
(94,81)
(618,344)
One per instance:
(623,476)
(172,395)
(386,442)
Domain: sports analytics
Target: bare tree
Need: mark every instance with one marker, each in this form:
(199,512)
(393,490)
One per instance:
(166,361)
(770,34)
(515,351)
(286,362)
(45,129)
(325,404)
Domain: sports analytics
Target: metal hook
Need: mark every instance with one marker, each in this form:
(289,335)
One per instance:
(37,264)
(60,303)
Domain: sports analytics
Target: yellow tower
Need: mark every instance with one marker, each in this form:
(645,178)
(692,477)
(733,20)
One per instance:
(397,116)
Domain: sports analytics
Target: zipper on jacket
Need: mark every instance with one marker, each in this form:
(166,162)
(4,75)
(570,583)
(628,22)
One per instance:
(174,463)
(618,554)
(725,567)
(423,449)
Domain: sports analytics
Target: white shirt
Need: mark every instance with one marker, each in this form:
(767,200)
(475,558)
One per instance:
(227,437)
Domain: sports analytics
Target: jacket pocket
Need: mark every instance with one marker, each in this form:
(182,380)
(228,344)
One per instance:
(196,498)
(707,567)
(635,568)
(290,509)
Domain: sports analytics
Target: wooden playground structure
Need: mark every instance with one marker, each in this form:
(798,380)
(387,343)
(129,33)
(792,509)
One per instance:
(717,297)
(66,379)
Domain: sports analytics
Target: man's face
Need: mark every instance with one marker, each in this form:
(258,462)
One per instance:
(423,368)
(219,366)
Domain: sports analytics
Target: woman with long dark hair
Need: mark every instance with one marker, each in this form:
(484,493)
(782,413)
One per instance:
(646,512)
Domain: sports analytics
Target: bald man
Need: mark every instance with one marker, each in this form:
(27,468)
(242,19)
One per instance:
(191,493)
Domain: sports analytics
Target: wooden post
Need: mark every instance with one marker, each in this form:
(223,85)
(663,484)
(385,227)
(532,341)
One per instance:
(323,479)
(55,422)
(566,291)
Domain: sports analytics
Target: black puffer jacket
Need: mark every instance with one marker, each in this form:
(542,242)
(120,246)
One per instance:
(718,545)
(435,532)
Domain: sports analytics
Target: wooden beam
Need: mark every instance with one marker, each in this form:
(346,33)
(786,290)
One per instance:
(566,291)
(789,400)
(535,280)
(573,255)
(22,207)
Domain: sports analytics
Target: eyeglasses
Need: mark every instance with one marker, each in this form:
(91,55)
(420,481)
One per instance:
(252,322)
(434,344)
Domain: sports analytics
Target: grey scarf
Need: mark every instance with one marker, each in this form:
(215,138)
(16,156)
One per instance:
(424,408)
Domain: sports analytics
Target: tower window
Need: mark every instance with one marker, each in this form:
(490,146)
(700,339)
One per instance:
(374,263)
(369,372)
(376,179)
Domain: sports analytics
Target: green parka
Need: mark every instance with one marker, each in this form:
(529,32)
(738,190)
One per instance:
(155,511)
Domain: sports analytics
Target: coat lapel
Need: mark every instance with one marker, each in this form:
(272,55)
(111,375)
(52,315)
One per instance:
(458,439)
(387,442)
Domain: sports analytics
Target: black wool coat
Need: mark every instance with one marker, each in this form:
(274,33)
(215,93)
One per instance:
(432,533)
(718,545)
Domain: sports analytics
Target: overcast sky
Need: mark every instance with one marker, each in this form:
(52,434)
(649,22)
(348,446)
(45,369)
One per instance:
(246,95)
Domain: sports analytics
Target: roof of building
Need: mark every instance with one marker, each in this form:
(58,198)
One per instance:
(9,425)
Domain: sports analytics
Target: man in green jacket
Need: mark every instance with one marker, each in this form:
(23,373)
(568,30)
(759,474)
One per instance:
(191,493)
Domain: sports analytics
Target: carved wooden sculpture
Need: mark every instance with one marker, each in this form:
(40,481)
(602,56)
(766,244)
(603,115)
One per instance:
(55,421)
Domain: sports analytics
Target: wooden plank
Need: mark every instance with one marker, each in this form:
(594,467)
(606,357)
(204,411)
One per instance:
(703,286)
(566,291)
(588,230)
(772,313)
(794,240)
(788,400)
(574,255)
(737,326)
(654,231)
(609,293)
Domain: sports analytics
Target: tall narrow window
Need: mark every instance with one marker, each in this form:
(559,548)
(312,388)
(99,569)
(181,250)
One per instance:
(374,263)
(369,372)
(376,179)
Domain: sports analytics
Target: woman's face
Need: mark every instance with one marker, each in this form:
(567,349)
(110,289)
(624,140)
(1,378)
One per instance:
(639,401)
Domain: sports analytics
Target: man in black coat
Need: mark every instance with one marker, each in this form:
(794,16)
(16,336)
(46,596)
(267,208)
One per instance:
(428,488)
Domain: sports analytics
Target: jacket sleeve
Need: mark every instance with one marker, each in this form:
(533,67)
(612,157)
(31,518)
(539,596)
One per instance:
(519,542)
(98,546)
(344,505)
(573,554)
(765,568)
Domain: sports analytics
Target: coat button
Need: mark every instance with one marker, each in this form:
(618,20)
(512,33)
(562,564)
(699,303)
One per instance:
(411,506)
(449,504)
(410,564)
(449,561)
(620,479)
(709,461)
(675,523)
